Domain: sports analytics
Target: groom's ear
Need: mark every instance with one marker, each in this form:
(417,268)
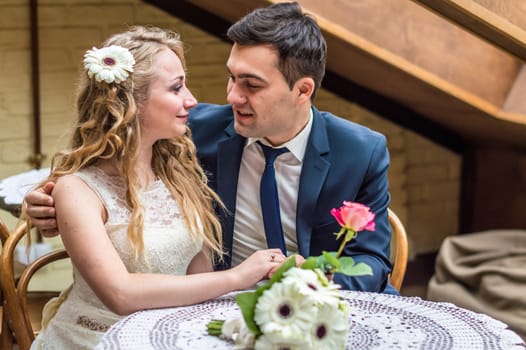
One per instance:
(305,88)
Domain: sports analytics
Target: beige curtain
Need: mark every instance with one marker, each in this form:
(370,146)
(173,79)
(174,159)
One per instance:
(484,272)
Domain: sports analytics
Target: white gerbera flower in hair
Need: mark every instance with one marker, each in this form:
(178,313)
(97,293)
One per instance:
(109,64)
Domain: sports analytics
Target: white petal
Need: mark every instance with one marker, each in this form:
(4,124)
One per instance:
(276,341)
(269,306)
(230,327)
(117,72)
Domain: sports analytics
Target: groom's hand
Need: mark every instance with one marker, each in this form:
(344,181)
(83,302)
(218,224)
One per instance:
(40,208)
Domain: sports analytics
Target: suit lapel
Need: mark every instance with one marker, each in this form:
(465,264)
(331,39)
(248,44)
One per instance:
(229,152)
(313,174)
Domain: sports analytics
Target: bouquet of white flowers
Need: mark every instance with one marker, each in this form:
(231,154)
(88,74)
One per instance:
(300,307)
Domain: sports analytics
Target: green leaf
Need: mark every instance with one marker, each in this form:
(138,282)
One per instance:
(350,269)
(247,303)
(334,254)
(346,262)
(361,269)
(331,259)
(310,263)
(287,264)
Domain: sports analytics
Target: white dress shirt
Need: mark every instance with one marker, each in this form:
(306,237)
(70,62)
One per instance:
(249,234)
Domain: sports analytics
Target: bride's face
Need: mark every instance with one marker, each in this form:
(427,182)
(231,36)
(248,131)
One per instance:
(165,112)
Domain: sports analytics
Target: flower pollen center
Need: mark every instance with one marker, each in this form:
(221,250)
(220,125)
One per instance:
(312,286)
(108,61)
(285,311)
(321,331)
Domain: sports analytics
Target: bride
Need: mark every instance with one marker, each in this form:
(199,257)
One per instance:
(132,203)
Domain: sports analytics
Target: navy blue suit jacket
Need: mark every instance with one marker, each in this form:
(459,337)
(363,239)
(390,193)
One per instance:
(343,161)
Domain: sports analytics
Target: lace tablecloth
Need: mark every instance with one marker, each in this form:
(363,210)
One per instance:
(14,188)
(377,321)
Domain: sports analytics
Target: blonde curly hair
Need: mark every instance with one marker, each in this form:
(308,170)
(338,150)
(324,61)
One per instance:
(108,127)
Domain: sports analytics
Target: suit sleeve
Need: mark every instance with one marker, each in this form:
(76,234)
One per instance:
(372,248)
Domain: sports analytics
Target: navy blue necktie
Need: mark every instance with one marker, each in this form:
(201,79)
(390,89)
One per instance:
(268,191)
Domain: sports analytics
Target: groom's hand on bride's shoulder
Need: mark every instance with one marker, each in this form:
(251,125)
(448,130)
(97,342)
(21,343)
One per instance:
(40,207)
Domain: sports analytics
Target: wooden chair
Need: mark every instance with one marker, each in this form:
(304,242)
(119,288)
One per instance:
(6,337)
(23,321)
(401,252)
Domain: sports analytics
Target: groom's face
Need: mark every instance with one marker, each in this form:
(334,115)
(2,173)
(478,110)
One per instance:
(264,105)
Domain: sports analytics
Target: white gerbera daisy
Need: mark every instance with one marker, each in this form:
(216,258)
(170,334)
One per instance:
(231,326)
(310,284)
(276,341)
(244,339)
(282,309)
(109,64)
(330,329)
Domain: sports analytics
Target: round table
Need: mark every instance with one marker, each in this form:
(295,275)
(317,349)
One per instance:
(377,321)
(14,188)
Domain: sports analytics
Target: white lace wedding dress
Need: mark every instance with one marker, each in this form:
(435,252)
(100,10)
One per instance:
(81,318)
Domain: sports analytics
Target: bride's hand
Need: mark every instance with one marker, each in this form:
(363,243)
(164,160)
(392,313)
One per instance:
(258,267)
(299,261)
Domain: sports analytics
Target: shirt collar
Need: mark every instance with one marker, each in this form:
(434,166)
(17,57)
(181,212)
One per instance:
(297,145)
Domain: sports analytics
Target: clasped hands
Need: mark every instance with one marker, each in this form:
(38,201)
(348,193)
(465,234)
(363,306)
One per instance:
(279,259)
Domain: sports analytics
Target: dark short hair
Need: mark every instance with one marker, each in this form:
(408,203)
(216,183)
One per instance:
(295,35)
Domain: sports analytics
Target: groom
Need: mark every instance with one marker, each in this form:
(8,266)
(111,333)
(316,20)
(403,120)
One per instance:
(276,66)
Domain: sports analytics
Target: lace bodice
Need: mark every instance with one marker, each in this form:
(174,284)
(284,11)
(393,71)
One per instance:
(168,248)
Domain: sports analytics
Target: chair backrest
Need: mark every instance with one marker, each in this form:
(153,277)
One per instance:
(402,250)
(15,293)
(6,337)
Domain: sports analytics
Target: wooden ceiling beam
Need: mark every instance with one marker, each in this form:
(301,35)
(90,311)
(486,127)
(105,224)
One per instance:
(482,21)
(425,64)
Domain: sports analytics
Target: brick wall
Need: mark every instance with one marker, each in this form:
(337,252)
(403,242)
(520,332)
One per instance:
(424,178)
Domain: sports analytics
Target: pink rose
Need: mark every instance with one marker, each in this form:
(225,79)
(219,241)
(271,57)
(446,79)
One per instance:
(354,216)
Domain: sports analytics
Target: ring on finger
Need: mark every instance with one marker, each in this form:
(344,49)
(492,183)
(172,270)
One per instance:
(272,257)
